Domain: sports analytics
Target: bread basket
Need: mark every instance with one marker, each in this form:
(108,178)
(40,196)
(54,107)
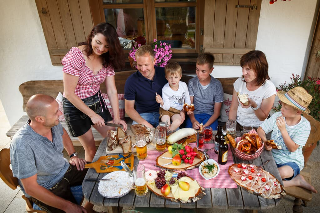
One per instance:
(244,156)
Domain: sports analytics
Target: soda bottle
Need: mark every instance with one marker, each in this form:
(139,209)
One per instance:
(223,153)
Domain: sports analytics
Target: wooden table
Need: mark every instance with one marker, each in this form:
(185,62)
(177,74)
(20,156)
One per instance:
(236,198)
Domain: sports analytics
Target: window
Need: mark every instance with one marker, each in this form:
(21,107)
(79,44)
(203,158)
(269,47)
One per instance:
(172,21)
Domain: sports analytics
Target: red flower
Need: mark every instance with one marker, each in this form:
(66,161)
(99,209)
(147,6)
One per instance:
(318,82)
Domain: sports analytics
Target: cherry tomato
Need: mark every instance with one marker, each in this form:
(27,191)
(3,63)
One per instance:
(239,165)
(252,170)
(263,179)
(250,177)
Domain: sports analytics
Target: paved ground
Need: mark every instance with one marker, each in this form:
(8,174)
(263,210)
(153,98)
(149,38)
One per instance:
(11,201)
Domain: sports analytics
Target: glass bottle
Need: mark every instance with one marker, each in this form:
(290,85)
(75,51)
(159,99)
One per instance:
(217,139)
(223,153)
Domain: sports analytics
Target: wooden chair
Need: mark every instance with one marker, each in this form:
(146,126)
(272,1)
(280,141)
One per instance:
(302,196)
(7,177)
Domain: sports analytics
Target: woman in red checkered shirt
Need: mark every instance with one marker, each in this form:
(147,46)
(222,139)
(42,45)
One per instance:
(84,69)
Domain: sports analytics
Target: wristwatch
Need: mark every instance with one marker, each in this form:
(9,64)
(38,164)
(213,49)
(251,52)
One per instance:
(255,108)
(73,154)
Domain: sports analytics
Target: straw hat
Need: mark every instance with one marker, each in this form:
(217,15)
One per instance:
(297,97)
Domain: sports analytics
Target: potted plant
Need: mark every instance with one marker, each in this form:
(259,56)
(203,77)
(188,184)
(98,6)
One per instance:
(162,53)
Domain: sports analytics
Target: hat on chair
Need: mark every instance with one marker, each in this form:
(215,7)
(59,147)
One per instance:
(297,97)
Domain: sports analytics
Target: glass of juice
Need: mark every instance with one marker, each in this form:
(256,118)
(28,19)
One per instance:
(161,140)
(207,131)
(201,140)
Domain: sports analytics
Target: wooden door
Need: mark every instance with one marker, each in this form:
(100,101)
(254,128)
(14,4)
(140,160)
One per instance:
(313,68)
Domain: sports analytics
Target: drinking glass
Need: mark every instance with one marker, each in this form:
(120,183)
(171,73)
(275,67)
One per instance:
(161,139)
(231,128)
(201,140)
(207,131)
(140,183)
(141,147)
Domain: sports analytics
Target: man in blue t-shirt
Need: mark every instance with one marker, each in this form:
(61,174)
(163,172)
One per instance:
(44,175)
(141,89)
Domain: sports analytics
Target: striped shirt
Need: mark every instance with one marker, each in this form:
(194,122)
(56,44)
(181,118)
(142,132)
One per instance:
(299,133)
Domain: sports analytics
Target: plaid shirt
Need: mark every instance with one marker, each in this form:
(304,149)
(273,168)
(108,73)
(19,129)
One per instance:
(88,83)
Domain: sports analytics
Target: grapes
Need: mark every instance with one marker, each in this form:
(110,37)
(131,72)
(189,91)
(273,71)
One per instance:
(172,181)
(161,174)
(160,182)
(181,174)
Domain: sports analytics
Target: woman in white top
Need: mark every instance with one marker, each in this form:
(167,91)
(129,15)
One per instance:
(260,90)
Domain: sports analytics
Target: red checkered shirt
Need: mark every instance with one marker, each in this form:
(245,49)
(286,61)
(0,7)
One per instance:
(88,83)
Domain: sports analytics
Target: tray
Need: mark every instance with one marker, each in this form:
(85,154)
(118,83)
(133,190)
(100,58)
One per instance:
(119,185)
(160,162)
(111,163)
(195,189)
(257,185)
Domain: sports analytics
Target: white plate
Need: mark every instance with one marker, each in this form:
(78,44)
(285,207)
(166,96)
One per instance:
(211,162)
(119,185)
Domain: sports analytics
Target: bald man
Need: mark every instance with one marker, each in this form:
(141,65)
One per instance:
(45,176)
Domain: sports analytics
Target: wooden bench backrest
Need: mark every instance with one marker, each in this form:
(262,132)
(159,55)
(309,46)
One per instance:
(53,87)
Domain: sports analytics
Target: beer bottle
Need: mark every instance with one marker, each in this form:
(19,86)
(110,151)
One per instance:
(223,153)
(217,139)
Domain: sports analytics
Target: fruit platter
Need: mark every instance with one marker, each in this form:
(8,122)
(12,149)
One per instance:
(174,186)
(256,180)
(179,156)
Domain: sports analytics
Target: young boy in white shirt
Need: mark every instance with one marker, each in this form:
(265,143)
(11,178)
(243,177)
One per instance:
(174,95)
(290,130)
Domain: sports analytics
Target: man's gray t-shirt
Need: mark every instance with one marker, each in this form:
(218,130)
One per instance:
(204,99)
(31,153)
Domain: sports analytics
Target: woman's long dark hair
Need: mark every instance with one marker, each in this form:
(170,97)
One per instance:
(114,56)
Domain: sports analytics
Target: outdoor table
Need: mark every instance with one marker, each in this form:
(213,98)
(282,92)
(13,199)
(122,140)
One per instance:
(233,198)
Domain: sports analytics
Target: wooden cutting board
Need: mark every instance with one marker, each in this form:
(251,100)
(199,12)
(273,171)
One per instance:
(111,163)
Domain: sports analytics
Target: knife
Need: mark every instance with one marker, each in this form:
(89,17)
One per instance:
(113,125)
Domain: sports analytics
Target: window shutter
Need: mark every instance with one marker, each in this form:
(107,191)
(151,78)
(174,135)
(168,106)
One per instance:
(230,30)
(65,23)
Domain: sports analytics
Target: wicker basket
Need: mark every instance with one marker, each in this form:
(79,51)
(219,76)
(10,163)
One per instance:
(241,155)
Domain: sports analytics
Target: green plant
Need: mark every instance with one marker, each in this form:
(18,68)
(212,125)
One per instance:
(312,85)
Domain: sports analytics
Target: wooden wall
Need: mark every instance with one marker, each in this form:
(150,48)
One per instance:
(65,23)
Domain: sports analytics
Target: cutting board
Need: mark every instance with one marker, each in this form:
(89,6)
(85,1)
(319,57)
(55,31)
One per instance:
(111,163)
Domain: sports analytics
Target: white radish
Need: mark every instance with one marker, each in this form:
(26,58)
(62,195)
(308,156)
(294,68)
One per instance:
(181,133)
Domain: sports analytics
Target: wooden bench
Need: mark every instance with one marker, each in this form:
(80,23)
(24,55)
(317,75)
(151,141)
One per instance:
(53,87)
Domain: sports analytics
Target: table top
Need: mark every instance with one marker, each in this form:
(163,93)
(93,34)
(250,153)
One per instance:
(235,198)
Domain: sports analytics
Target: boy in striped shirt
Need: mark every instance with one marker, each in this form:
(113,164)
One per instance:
(290,131)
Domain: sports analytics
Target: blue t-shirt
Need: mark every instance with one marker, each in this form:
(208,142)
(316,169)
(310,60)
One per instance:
(204,99)
(299,133)
(143,91)
(31,153)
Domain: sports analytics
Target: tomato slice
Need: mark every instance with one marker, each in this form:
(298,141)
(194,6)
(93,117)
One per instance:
(252,170)
(263,179)
(250,177)
(239,165)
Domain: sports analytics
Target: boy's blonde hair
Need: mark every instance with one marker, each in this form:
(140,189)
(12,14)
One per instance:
(173,68)
(205,58)
(144,49)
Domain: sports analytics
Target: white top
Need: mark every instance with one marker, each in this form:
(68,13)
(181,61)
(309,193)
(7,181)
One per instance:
(175,99)
(299,133)
(246,116)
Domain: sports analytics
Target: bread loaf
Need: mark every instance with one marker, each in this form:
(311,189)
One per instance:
(243,98)
(126,144)
(112,142)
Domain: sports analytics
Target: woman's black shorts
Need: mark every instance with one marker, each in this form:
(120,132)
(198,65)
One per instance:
(78,122)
